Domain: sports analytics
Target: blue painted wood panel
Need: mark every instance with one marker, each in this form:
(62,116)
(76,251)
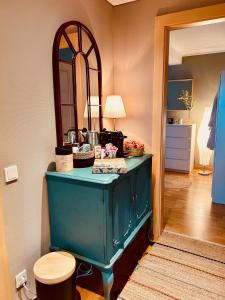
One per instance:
(76,217)
(143,192)
(122,211)
(218,187)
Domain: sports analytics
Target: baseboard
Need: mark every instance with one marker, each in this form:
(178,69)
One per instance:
(208,168)
(176,171)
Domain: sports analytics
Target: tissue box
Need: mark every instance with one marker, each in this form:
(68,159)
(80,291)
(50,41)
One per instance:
(110,166)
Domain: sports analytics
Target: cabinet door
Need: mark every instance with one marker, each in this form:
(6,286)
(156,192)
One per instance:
(142,191)
(77,217)
(122,211)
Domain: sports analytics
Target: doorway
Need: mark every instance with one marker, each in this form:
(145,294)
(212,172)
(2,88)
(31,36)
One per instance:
(196,60)
(5,286)
(163,25)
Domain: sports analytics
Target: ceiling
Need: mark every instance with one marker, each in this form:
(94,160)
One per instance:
(118,2)
(196,41)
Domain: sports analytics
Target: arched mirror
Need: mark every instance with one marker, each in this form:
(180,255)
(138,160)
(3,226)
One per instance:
(77,76)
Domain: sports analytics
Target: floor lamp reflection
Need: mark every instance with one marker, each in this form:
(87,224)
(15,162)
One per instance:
(202,139)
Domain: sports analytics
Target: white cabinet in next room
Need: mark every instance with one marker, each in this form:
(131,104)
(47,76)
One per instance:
(180,145)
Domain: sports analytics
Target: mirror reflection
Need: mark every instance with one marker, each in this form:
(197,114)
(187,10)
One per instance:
(78,87)
(94,112)
(81,90)
(66,91)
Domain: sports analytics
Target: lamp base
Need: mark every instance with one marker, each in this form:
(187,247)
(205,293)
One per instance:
(204,172)
(114,124)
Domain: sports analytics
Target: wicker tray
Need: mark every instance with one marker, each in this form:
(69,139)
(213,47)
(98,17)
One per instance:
(136,152)
(83,159)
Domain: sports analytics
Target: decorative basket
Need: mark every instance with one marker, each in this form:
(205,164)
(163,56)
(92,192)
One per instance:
(83,159)
(136,152)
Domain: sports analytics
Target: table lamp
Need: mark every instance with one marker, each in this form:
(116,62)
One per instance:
(94,104)
(114,108)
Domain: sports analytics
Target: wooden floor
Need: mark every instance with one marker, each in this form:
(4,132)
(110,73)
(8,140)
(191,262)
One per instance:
(190,210)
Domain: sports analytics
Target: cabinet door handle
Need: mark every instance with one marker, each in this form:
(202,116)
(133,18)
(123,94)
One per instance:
(134,197)
(115,243)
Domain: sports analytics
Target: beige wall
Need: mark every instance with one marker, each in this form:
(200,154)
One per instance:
(27,124)
(205,70)
(133,59)
(27,121)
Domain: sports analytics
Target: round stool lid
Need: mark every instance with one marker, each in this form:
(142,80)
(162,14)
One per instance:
(54,267)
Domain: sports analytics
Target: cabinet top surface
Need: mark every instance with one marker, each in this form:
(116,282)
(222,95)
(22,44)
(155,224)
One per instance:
(85,174)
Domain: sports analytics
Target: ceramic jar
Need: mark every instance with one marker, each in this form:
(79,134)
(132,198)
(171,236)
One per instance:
(64,159)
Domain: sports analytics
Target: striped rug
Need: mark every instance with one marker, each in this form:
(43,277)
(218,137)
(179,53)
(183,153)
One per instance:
(178,267)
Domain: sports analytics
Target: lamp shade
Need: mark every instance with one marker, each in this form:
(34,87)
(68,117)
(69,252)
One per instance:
(202,138)
(94,104)
(114,107)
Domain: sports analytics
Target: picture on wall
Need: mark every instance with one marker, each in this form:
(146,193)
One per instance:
(180,94)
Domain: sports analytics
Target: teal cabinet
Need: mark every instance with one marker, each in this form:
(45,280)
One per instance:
(95,216)
(121,212)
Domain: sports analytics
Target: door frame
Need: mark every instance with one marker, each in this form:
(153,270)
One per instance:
(163,25)
(5,285)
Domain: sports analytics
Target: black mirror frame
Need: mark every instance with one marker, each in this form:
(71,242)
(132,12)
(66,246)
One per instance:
(56,78)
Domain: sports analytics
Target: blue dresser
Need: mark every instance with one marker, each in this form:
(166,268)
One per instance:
(96,216)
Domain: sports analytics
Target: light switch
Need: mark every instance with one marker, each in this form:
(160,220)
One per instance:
(11,173)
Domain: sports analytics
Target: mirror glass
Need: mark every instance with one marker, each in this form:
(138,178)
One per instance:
(72,34)
(66,90)
(77,82)
(81,88)
(93,61)
(94,112)
(86,42)
(94,100)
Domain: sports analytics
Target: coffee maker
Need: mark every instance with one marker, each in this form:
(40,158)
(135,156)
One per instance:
(114,137)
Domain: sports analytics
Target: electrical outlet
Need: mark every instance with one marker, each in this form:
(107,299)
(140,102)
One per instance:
(21,278)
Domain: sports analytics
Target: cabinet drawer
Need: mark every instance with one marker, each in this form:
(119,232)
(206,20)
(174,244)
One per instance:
(178,153)
(179,143)
(177,164)
(178,131)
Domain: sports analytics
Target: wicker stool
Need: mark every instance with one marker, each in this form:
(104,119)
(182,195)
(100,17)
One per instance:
(54,276)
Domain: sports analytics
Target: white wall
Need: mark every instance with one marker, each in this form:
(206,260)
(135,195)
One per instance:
(27,119)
